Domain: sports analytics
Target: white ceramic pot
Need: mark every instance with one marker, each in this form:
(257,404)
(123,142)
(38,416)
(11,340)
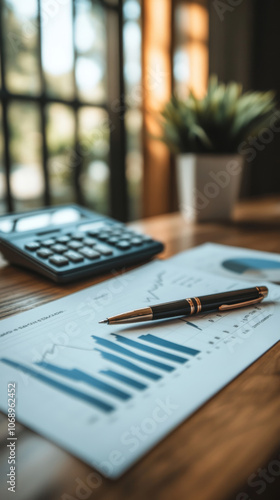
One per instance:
(208,185)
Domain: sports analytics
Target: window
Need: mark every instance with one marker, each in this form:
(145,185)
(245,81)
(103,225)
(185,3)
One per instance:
(133,96)
(61,69)
(81,84)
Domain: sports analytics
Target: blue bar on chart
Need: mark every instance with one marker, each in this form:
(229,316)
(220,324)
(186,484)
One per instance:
(127,364)
(80,376)
(150,350)
(124,379)
(170,345)
(121,350)
(87,398)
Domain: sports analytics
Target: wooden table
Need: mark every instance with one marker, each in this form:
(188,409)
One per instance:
(212,454)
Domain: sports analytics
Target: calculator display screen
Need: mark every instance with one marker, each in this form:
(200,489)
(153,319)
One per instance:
(28,222)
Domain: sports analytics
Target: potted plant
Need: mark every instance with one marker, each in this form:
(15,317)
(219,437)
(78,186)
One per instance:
(209,135)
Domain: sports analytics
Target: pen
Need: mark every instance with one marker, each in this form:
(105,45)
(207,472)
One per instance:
(195,305)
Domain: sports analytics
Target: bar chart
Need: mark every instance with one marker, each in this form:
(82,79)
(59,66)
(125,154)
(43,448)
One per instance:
(93,388)
(126,358)
(130,363)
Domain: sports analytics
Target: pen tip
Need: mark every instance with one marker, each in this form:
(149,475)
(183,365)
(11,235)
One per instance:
(104,321)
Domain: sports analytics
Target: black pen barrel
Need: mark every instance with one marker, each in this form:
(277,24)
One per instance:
(212,302)
(206,303)
(187,307)
(171,309)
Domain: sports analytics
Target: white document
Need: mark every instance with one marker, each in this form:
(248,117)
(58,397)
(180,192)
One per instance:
(108,394)
(235,262)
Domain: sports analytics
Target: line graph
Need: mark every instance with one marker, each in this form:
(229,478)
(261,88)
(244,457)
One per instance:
(157,285)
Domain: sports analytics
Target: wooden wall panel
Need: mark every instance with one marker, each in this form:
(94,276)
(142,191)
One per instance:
(157,86)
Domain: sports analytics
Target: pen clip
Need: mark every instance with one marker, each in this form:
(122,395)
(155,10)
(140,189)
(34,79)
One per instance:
(227,307)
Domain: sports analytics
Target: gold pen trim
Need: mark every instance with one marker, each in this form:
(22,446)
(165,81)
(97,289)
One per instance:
(227,307)
(191,304)
(263,290)
(198,304)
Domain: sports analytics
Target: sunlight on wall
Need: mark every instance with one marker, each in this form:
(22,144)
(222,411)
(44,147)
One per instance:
(157,80)
(190,63)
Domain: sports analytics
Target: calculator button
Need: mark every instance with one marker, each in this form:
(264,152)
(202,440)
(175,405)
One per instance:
(89,253)
(116,233)
(73,256)
(103,249)
(58,260)
(78,236)
(44,253)
(136,241)
(113,240)
(123,245)
(103,236)
(90,242)
(48,243)
(58,248)
(63,239)
(32,246)
(93,232)
(75,245)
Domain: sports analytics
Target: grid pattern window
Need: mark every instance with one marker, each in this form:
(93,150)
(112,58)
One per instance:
(54,114)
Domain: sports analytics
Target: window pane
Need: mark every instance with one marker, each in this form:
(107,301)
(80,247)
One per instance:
(57,47)
(27,182)
(2,170)
(134,162)
(90,41)
(131,10)
(62,159)
(132,51)
(94,136)
(21,47)
(133,95)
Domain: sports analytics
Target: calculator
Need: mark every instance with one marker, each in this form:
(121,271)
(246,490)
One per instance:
(69,242)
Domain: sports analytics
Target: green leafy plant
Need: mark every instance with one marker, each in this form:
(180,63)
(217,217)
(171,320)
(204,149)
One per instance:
(217,123)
